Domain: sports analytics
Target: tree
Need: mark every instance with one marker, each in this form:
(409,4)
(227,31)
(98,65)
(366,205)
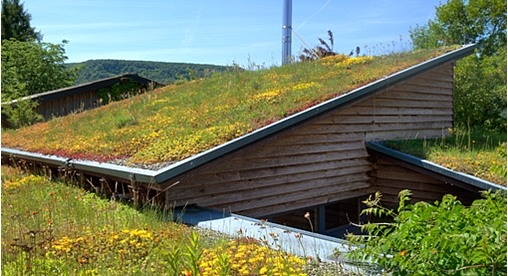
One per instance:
(37,65)
(480,87)
(465,22)
(16,22)
(29,68)
(480,91)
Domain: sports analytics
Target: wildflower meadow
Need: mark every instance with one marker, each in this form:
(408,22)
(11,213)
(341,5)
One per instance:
(50,227)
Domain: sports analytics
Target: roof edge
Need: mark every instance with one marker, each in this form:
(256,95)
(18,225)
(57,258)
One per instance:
(123,172)
(433,167)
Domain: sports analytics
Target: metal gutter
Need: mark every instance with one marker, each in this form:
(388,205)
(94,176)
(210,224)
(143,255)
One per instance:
(123,172)
(192,162)
(433,167)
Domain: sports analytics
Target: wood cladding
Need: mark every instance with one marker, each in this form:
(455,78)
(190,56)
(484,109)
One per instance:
(67,105)
(324,160)
(391,178)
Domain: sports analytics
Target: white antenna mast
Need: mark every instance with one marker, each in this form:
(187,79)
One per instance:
(286,31)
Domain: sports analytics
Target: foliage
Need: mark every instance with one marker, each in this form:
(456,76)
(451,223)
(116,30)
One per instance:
(480,87)
(16,23)
(29,68)
(119,91)
(444,238)
(54,228)
(19,113)
(464,22)
(480,91)
(162,72)
(176,122)
(38,65)
(477,152)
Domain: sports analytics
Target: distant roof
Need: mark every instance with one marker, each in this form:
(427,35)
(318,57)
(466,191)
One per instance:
(81,88)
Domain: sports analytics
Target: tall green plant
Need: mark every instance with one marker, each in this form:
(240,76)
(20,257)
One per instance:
(480,91)
(16,22)
(444,238)
(118,91)
(480,81)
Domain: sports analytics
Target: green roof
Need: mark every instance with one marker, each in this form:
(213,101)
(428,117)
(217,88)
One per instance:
(238,133)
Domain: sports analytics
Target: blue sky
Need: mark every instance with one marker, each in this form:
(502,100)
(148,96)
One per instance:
(221,32)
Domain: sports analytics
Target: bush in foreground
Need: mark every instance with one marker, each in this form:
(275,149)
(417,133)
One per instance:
(444,238)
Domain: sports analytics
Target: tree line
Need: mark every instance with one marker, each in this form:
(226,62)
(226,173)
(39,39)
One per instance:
(162,72)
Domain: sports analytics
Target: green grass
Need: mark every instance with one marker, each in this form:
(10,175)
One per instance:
(176,122)
(56,228)
(477,152)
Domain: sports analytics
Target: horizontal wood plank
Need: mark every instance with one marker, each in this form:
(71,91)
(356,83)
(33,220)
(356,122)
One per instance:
(282,182)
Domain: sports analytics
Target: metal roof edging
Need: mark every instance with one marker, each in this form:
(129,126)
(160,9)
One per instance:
(185,165)
(427,165)
(128,173)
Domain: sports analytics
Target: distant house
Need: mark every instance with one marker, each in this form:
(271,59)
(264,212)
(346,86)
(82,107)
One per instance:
(324,160)
(77,98)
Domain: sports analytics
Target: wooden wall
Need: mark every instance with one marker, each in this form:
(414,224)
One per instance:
(391,178)
(67,105)
(323,160)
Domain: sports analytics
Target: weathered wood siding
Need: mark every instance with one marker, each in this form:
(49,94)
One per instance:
(67,105)
(323,160)
(391,178)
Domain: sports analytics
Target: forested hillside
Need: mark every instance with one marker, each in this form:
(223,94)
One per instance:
(163,72)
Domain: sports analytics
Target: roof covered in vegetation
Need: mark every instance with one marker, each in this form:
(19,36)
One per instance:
(187,125)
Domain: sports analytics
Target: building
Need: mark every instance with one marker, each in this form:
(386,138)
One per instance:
(324,160)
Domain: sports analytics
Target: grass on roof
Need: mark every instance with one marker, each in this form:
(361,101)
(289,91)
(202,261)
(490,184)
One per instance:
(175,122)
(477,152)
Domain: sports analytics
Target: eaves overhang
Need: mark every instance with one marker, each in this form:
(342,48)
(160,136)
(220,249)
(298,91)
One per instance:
(180,167)
(467,179)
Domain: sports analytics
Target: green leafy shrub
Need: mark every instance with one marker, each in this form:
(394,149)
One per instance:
(444,238)
(118,91)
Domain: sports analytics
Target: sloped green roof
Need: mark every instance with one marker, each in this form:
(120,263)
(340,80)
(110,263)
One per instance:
(239,134)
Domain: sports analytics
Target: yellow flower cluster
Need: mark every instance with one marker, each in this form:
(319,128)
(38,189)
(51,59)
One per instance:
(130,244)
(302,86)
(267,95)
(140,233)
(332,60)
(13,185)
(354,61)
(66,244)
(250,258)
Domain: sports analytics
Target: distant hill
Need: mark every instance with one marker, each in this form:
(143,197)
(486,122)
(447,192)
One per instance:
(163,72)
